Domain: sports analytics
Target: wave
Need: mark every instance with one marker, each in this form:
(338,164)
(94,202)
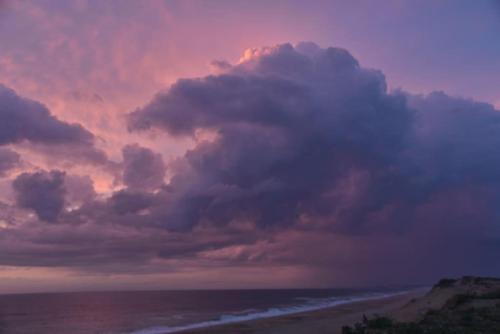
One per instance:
(312,304)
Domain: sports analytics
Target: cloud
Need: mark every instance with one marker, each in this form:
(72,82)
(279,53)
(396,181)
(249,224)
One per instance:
(43,192)
(142,168)
(305,150)
(129,202)
(79,189)
(8,160)
(305,139)
(457,139)
(306,136)
(24,120)
(291,127)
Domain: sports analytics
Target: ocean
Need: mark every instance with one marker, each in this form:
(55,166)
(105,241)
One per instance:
(155,312)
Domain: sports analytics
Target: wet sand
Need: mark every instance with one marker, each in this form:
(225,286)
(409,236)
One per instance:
(325,321)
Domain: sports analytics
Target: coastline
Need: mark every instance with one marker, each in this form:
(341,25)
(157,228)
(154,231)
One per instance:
(328,320)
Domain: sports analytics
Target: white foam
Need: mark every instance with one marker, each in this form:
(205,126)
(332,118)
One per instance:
(313,305)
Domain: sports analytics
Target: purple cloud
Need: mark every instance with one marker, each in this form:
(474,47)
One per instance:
(306,139)
(124,202)
(291,126)
(8,160)
(25,120)
(142,168)
(43,192)
(308,150)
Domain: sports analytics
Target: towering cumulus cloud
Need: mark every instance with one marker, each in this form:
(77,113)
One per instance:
(308,162)
(307,139)
(302,134)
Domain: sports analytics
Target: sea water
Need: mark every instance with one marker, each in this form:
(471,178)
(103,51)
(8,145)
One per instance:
(155,312)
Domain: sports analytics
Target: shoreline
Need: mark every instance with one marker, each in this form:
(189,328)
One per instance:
(317,319)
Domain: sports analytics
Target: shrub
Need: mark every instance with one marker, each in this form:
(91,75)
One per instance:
(446,282)
(379,323)
(490,295)
(347,330)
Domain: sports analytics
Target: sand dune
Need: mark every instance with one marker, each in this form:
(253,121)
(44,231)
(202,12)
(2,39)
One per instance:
(442,306)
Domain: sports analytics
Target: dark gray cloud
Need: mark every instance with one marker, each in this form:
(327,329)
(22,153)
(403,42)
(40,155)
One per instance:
(306,134)
(107,248)
(142,168)
(291,126)
(25,120)
(307,139)
(457,139)
(307,151)
(8,160)
(42,192)
(124,202)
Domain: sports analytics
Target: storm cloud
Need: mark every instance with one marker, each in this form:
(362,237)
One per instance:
(142,168)
(43,192)
(304,149)
(293,125)
(305,138)
(25,120)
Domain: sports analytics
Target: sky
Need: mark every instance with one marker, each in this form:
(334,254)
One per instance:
(247,144)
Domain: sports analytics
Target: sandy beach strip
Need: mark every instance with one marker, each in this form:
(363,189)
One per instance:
(324,321)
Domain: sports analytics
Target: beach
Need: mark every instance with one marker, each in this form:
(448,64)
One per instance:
(325,321)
